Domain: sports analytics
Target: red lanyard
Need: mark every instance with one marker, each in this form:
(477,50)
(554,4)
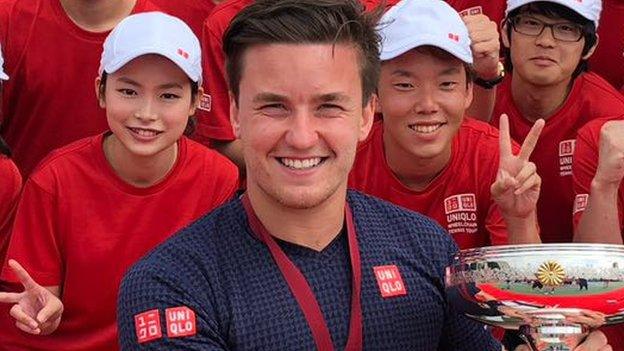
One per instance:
(301,289)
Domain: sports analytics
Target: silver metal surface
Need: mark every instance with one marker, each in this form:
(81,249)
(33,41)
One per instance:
(553,293)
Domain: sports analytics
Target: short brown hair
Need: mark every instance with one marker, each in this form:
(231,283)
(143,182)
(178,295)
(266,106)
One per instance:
(305,22)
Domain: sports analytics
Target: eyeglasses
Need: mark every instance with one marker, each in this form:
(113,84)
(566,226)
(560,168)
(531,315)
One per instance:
(564,31)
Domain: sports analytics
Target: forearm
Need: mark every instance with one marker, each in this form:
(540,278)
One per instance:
(232,149)
(483,103)
(522,230)
(600,221)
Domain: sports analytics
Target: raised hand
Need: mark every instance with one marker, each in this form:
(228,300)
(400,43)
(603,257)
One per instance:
(517,186)
(36,310)
(611,154)
(485,45)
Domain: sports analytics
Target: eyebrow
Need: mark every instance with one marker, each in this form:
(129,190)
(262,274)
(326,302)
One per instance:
(451,70)
(333,97)
(162,86)
(401,73)
(329,97)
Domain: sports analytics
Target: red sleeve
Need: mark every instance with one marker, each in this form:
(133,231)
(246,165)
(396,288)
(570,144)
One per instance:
(9,195)
(585,163)
(213,116)
(35,240)
(227,183)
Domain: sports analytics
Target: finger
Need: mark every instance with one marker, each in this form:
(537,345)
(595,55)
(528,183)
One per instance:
(486,48)
(22,275)
(504,139)
(51,311)
(533,182)
(528,170)
(531,140)
(25,328)
(20,316)
(503,184)
(594,341)
(10,297)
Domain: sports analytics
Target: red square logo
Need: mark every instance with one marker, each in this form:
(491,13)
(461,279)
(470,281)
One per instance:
(580,202)
(389,281)
(147,326)
(453,37)
(566,147)
(469,202)
(451,204)
(180,322)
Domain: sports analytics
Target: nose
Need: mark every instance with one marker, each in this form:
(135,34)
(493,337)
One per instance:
(546,37)
(147,111)
(425,103)
(302,130)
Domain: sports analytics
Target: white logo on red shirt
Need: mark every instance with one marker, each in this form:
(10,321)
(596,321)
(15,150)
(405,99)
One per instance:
(461,213)
(180,322)
(389,281)
(205,102)
(566,150)
(147,326)
(580,202)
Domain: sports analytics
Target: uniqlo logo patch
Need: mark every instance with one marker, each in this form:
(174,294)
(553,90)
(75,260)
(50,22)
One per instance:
(389,281)
(580,202)
(147,326)
(461,202)
(566,148)
(180,322)
(472,11)
(453,37)
(205,102)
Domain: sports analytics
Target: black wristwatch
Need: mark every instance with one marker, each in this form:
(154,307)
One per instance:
(489,84)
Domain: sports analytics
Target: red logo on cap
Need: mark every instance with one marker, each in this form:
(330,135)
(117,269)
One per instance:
(180,322)
(183,53)
(453,37)
(147,326)
(389,281)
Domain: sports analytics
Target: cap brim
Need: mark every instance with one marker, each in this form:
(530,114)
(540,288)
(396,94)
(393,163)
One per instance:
(412,44)
(172,56)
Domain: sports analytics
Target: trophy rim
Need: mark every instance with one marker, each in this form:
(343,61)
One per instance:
(559,248)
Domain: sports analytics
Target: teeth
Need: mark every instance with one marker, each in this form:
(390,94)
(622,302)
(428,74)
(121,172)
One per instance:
(425,128)
(301,164)
(144,132)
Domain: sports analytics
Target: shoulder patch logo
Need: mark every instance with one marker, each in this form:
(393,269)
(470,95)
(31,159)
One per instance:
(580,202)
(181,322)
(471,11)
(205,102)
(147,326)
(389,281)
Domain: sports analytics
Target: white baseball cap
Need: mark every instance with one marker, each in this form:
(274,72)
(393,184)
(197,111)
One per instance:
(152,33)
(413,23)
(589,9)
(3,76)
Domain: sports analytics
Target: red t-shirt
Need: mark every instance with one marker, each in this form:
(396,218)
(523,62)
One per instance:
(78,225)
(608,60)
(49,100)
(10,187)
(591,97)
(193,12)
(458,198)
(585,165)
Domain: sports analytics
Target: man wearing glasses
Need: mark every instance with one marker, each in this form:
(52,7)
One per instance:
(548,44)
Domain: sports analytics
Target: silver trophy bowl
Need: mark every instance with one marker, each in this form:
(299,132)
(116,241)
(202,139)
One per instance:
(554,294)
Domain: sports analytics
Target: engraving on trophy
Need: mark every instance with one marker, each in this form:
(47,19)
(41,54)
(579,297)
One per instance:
(551,273)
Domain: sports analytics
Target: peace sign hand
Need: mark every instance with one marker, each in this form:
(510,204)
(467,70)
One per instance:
(37,310)
(517,186)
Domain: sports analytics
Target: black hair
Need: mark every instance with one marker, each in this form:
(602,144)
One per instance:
(4,148)
(301,22)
